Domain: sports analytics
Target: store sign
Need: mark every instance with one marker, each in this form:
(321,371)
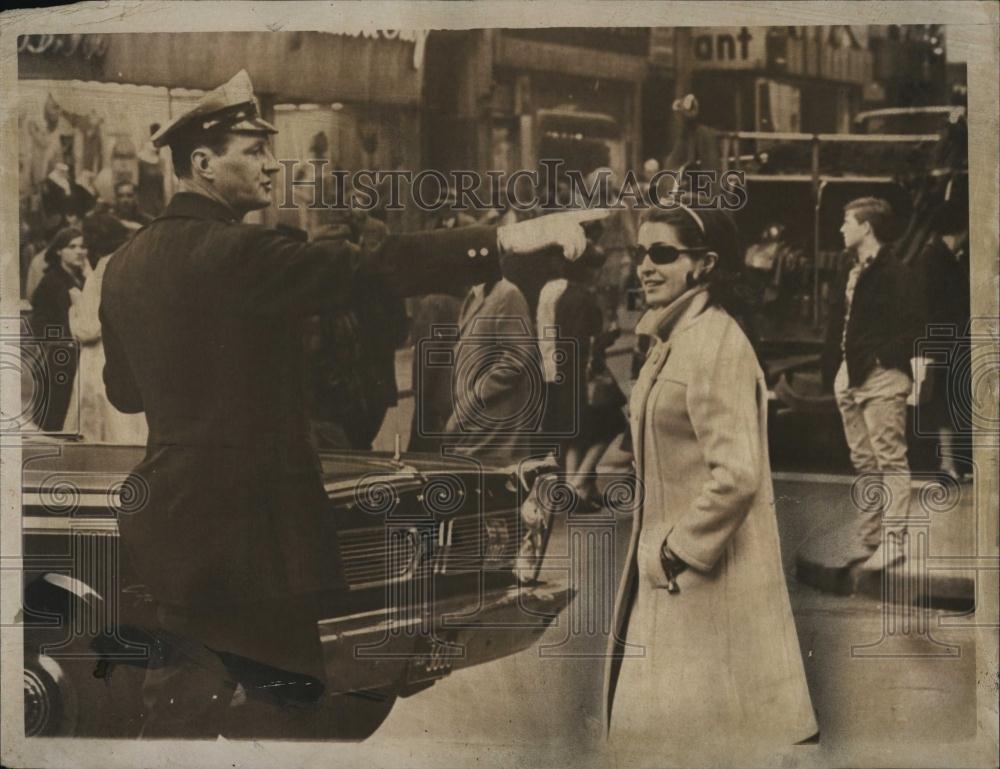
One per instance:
(728,47)
(416,36)
(87,47)
(663,47)
(632,41)
(837,52)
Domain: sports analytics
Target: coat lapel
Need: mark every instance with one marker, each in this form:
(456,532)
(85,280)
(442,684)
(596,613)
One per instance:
(661,324)
(640,397)
(471,307)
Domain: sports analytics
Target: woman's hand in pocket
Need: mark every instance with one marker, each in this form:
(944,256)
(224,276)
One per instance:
(649,558)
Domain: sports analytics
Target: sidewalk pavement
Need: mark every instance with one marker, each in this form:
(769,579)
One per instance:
(892,668)
(941,546)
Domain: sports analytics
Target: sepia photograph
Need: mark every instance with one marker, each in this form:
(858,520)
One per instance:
(423,384)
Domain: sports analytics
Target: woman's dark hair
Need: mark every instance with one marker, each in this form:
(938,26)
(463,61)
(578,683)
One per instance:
(62,238)
(182,147)
(726,286)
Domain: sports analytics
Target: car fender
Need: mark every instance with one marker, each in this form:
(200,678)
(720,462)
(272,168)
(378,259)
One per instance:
(52,598)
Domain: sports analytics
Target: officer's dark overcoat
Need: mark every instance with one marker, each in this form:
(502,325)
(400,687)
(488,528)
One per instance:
(202,330)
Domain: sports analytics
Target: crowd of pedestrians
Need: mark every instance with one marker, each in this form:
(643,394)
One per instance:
(64,251)
(533,307)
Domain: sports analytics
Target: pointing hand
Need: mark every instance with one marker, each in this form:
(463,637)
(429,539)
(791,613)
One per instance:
(563,229)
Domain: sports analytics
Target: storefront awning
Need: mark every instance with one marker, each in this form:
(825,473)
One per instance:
(384,67)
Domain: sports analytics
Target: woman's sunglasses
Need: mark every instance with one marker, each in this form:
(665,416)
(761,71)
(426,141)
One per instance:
(661,253)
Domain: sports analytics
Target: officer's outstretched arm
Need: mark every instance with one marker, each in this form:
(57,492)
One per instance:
(428,262)
(270,273)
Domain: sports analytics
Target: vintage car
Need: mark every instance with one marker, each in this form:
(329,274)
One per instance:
(441,559)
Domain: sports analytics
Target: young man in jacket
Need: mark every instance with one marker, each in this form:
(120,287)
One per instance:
(202,320)
(872,326)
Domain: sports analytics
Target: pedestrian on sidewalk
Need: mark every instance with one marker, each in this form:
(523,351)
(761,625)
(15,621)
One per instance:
(496,392)
(90,414)
(583,403)
(352,349)
(703,647)
(66,271)
(943,300)
(872,328)
(433,315)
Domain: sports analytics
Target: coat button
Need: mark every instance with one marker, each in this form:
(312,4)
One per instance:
(484,252)
(472,253)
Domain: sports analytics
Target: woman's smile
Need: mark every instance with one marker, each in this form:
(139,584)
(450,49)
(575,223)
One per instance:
(662,283)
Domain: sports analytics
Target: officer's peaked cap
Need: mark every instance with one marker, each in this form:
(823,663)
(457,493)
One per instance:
(231,107)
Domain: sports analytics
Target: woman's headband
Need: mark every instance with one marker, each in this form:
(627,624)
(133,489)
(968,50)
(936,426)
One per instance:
(693,215)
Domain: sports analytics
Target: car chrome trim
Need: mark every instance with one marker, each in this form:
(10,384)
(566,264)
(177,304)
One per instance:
(42,524)
(72,585)
(45,498)
(515,593)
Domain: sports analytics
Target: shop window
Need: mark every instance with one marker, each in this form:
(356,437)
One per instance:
(778,107)
(350,137)
(583,141)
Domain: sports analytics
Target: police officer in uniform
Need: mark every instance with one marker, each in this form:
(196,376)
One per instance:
(202,327)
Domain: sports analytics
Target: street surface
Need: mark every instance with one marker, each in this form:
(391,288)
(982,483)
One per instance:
(906,691)
(911,691)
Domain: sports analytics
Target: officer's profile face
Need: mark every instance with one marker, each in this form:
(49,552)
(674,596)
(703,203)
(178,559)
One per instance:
(243,174)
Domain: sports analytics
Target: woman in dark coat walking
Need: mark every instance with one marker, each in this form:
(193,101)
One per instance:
(66,268)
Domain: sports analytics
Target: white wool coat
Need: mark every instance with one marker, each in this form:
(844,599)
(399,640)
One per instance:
(719,660)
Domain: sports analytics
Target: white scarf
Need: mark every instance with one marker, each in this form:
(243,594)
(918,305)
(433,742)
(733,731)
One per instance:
(658,322)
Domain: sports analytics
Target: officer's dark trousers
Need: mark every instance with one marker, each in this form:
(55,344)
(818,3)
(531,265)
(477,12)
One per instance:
(195,688)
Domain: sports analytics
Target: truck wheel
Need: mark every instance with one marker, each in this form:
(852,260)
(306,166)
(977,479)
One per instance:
(50,698)
(64,698)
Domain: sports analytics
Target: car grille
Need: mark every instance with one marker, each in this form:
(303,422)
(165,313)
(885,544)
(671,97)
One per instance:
(461,544)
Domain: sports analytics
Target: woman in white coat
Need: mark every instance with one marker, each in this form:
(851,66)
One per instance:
(90,413)
(704,653)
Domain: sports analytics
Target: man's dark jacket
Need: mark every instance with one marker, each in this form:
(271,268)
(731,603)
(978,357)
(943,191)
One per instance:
(883,323)
(202,327)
